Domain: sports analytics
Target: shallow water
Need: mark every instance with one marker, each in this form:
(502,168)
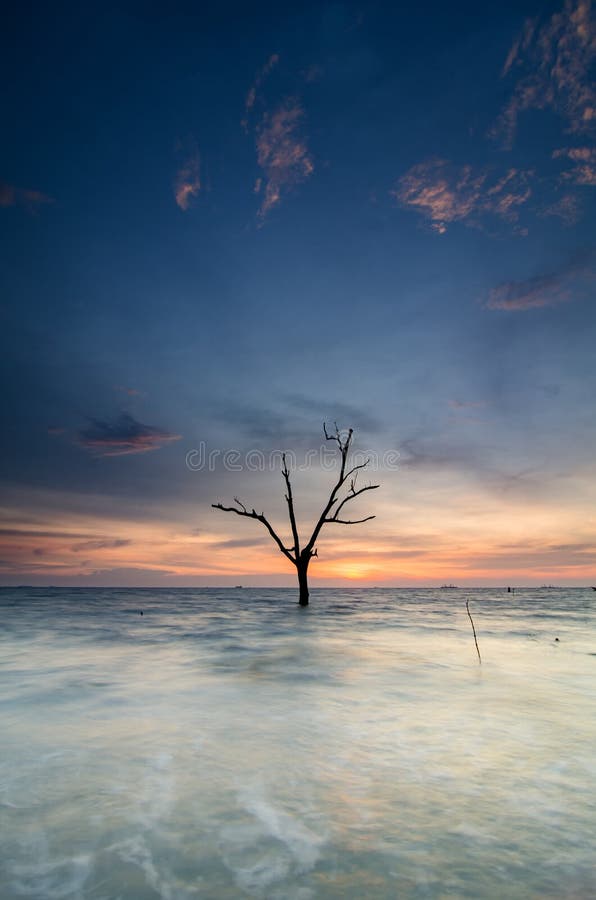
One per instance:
(228,744)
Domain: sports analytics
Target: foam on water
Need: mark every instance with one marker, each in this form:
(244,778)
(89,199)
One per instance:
(228,744)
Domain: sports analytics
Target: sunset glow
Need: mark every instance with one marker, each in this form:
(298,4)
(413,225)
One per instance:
(381,217)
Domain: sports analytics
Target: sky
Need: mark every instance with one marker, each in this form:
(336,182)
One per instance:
(223,225)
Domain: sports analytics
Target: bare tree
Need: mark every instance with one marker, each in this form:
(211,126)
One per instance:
(301,556)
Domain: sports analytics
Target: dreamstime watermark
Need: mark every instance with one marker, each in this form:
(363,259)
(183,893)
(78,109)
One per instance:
(202,459)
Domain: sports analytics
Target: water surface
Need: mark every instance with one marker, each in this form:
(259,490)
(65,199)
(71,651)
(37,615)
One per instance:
(228,744)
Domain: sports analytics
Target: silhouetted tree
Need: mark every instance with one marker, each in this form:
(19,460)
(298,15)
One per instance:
(301,556)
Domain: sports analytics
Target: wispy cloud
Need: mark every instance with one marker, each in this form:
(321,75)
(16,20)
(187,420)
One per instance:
(123,436)
(467,404)
(542,290)
(348,415)
(100,544)
(583,170)
(187,184)
(520,45)
(15,196)
(132,392)
(238,543)
(260,77)
(553,63)
(281,153)
(444,193)
(533,293)
(567,208)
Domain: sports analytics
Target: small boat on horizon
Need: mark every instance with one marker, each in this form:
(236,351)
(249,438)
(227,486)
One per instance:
(449,587)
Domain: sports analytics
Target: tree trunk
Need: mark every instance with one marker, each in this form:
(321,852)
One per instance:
(303,583)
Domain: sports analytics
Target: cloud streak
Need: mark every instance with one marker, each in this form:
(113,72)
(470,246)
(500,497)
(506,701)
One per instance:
(553,63)
(123,436)
(281,153)
(15,196)
(540,291)
(583,171)
(101,544)
(533,293)
(567,208)
(443,193)
(187,184)
(251,96)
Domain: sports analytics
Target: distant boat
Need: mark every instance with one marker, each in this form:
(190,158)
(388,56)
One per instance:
(238,586)
(449,587)
(593,588)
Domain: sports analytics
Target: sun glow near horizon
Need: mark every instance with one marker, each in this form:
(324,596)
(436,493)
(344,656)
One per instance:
(408,543)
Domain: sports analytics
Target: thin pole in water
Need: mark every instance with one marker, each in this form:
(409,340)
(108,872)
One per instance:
(474,631)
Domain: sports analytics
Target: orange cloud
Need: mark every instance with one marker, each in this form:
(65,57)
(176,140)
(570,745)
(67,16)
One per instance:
(555,62)
(584,164)
(187,183)
(8,195)
(281,154)
(132,392)
(14,196)
(252,92)
(567,209)
(444,193)
(546,290)
(123,436)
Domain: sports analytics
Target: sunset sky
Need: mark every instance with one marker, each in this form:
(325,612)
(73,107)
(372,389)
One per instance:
(222,225)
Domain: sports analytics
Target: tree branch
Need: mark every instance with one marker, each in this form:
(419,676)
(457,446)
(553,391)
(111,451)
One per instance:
(350,521)
(290,501)
(260,518)
(354,493)
(344,447)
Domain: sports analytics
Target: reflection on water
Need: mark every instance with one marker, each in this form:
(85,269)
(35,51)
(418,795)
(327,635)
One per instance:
(228,744)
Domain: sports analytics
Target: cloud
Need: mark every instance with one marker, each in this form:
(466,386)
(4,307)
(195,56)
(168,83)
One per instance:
(421,453)
(132,392)
(520,45)
(252,92)
(14,196)
(584,164)
(239,543)
(25,533)
(533,556)
(312,73)
(282,155)
(567,208)
(187,183)
(346,414)
(444,193)
(123,436)
(467,404)
(8,195)
(542,290)
(101,544)
(553,63)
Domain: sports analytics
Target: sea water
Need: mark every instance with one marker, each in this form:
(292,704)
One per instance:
(228,744)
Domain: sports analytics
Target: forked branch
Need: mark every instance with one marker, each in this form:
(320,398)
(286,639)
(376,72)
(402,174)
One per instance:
(241,510)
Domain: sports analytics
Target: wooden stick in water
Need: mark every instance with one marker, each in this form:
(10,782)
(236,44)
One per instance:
(474,631)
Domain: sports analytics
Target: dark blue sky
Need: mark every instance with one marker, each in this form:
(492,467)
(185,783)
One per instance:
(222,225)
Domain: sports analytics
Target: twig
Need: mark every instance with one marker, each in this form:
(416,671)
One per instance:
(474,631)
